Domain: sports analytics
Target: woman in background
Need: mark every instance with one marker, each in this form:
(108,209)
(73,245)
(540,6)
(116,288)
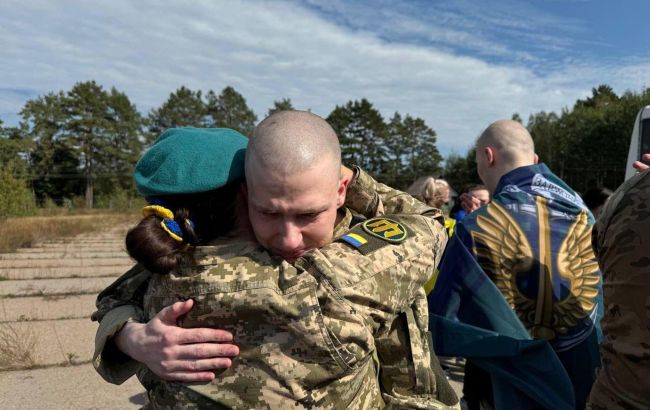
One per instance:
(432,191)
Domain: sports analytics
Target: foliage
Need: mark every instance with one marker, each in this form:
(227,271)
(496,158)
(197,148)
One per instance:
(79,136)
(183,108)
(16,198)
(17,346)
(361,130)
(585,145)
(411,150)
(229,110)
(588,145)
(187,108)
(15,148)
(461,171)
(120,199)
(397,152)
(84,142)
(26,231)
(282,105)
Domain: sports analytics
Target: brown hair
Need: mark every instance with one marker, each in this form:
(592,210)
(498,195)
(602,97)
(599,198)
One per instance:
(212,213)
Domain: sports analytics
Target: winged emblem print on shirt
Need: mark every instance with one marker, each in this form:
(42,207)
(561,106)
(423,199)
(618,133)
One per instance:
(508,258)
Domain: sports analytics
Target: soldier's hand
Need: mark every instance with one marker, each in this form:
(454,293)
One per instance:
(174,353)
(640,166)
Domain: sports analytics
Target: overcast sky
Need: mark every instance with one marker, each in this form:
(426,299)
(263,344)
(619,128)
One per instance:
(458,64)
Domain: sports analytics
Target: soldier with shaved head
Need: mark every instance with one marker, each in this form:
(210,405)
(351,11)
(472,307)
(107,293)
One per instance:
(294,183)
(534,241)
(329,313)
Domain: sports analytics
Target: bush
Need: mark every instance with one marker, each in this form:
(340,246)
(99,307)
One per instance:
(119,199)
(16,199)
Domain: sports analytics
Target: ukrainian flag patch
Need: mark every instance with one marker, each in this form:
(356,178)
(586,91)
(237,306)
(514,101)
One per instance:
(354,239)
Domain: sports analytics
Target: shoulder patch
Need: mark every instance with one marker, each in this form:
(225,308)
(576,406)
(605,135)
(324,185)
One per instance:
(386,229)
(354,239)
(374,234)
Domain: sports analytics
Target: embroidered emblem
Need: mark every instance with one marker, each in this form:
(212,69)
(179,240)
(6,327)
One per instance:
(385,229)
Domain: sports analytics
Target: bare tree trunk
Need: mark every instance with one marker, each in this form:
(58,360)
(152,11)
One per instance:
(89,191)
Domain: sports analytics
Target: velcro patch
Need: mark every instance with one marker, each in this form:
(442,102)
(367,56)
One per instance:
(386,229)
(374,234)
(354,239)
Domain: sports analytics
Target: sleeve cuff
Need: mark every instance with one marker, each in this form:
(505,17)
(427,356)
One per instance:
(113,365)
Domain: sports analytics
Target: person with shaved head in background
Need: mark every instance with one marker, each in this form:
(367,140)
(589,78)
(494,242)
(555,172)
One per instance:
(534,242)
(296,189)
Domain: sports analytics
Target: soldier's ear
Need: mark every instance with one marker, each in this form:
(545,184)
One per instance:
(344,181)
(536,159)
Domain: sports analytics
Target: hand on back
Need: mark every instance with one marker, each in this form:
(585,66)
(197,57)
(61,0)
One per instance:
(174,353)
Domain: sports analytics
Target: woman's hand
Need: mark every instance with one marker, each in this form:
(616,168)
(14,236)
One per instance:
(174,353)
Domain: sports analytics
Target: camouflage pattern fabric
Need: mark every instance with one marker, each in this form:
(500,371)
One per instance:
(622,242)
(307,333)
(396,355)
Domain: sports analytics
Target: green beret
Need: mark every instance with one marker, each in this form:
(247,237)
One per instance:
(189,160)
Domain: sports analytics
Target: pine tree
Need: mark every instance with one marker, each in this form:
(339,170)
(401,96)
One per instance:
(282,105)
(54,162)
(79,135)
(183,108)
(412,151)
(229,110)
(361,130)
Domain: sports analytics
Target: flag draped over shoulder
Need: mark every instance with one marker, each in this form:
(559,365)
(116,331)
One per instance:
(469,317)
(532,244)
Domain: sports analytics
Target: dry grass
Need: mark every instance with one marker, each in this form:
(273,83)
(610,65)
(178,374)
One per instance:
(17,347)
(23,232)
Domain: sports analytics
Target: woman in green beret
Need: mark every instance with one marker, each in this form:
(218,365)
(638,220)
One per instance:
(303,342)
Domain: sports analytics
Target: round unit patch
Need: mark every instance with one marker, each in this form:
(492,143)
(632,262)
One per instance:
(386,229)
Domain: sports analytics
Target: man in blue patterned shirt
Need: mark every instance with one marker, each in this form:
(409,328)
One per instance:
(534,242)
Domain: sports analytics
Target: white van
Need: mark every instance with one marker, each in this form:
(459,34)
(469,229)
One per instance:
(640,141)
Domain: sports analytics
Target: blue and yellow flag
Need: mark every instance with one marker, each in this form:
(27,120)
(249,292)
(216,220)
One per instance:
(469,317)
(532,244)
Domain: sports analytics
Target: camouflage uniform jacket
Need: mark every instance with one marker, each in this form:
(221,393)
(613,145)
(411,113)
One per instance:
(307,333)
(622,242)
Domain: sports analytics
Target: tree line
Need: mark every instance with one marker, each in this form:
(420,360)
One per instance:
(585,145)
(81,145)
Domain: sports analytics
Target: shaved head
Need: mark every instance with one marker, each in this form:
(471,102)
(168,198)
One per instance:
(289,142)
(509,138)
(504,146)
(294,182)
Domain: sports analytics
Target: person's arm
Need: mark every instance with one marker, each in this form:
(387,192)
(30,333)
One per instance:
(174,353)
(119,303)
(382,283)
(123,341)
(371,198)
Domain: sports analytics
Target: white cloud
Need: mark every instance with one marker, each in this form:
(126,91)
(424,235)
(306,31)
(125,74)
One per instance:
(271,50)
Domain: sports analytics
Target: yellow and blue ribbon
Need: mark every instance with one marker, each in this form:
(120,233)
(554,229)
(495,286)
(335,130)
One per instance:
(168,223)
